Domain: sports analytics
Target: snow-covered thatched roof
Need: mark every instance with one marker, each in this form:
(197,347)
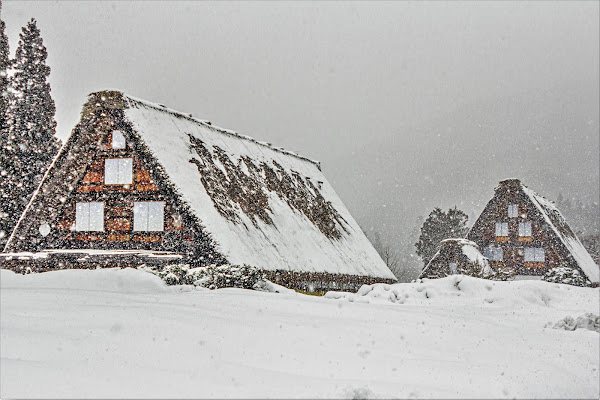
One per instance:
(286,234)
(471,251)
(457,250)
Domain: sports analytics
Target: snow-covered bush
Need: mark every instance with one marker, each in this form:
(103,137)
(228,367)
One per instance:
(587,321)
(212,276)
(475,270)
(503,273)
(176,274)
(270,287)
(566,275)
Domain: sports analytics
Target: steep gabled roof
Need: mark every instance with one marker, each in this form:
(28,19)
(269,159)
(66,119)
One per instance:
(264,206)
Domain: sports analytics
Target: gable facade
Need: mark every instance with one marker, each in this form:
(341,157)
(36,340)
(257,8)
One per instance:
(88,197)
(520,230)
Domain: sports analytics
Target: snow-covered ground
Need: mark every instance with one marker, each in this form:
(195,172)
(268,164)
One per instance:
(122,333)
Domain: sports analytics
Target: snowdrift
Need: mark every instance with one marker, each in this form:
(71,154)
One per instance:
(126,280)
(463,290)
(123,333)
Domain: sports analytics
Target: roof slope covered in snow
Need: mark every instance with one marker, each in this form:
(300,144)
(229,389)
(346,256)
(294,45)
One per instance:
(263,205)
(555,220)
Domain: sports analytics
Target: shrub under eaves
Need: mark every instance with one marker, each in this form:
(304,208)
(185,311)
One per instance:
(211,277)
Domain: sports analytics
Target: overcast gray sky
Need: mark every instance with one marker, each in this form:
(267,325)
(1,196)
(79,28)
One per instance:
(408,105)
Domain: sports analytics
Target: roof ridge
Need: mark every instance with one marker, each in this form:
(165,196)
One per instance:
(208,124)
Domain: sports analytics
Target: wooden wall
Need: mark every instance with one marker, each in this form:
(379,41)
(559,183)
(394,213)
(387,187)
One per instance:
(118,204)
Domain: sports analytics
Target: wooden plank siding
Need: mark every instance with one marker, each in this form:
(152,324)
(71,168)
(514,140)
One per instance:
(118,202)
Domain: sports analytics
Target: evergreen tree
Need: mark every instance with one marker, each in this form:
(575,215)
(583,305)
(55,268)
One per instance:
(7,154)
(31,144)
(438,226)
(4,65)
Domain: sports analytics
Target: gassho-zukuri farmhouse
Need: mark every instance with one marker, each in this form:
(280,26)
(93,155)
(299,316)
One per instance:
(518,230)
(138,183)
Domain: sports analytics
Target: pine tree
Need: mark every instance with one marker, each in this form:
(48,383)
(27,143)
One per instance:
(437,227)
(31,143)
(4,65)
(7,154)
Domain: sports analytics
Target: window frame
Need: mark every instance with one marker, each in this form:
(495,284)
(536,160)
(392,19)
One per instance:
(494,253)
(121,143)
(534,254)
(503,229)
(83,213)
(127,163)
(144,207)
(524,228)
(453,268)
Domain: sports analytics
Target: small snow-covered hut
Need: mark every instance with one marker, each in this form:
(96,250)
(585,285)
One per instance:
(521,230)
(457,256)
(137,182)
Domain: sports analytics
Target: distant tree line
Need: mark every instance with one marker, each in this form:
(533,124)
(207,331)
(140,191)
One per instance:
(27,123)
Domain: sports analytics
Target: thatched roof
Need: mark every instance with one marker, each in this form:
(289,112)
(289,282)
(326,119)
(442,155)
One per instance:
(264,206)
(459,250)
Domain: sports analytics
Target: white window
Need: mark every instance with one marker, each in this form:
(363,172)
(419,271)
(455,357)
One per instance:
(501,228)
(118,171)
(493,253)
(453,268)
(525,229)
(513,210)
(534,254)
(89,216)
(148,215)
(118,140)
